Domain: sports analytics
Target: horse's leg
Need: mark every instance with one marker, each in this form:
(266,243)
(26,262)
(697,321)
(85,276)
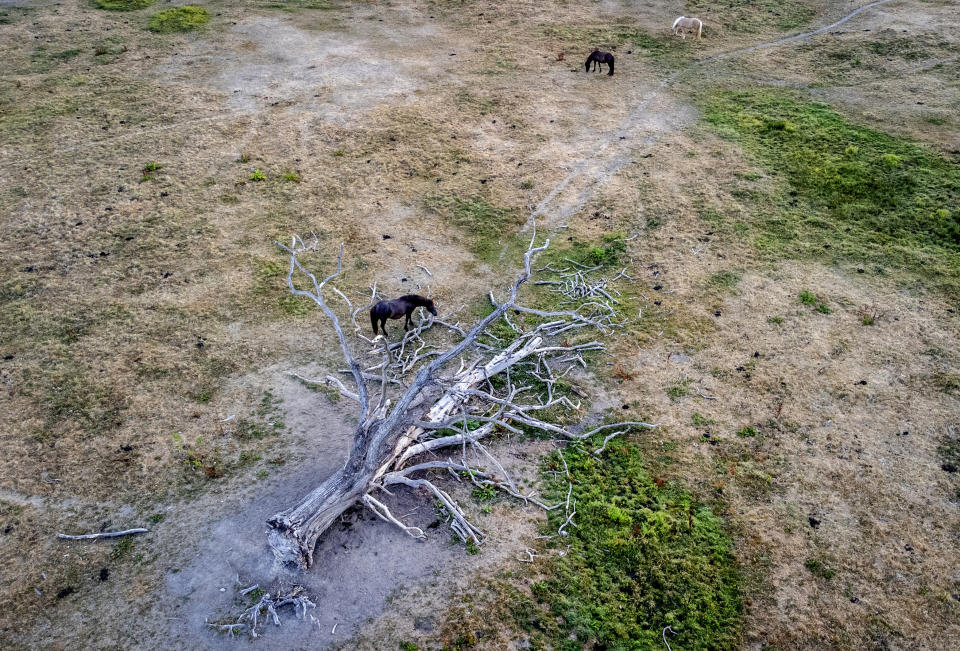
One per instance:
(383,326)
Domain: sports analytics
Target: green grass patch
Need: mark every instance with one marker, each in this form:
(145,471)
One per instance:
(618,38)
(908,49)
(700,421)
(43,60)
(71,399)
(750,17)
(108,49)
(487,226)
(846,191)
(947,382)
(270,284)
(679,389)
(179,19)
(819,568)
(725,281)
(607,253)
(747,431)
(122,5)
(809,298)
(644,555)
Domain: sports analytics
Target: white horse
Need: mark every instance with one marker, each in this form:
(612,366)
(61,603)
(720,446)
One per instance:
(683,24)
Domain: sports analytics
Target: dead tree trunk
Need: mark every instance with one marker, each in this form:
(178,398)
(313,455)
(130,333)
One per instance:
(389,436)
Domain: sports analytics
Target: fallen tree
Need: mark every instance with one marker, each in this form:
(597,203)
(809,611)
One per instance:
(440,408)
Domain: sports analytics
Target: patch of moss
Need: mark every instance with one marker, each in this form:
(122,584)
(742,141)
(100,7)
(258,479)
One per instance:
(643,556)
(178,19)
(847,191)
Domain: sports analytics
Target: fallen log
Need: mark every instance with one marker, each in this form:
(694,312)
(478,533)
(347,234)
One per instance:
(390,435)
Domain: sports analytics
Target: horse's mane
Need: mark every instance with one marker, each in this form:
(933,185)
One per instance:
(415,298)
(677,21)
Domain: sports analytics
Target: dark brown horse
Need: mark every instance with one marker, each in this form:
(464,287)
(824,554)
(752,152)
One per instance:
(598,58)
(398,307)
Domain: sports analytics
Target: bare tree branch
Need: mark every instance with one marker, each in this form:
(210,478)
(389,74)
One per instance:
(317,297)
(388,437)
(105,534)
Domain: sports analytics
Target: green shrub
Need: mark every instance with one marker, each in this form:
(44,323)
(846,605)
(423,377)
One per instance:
(178,19)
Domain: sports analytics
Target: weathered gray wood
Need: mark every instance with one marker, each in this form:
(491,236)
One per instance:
(381,437)
(387,437)
(106,534)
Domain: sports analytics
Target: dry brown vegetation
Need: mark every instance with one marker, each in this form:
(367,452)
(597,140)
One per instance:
(145,328)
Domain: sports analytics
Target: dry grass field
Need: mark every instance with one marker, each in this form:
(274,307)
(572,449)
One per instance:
(788,215)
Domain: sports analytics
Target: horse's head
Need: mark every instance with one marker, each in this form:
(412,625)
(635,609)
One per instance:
(430,307)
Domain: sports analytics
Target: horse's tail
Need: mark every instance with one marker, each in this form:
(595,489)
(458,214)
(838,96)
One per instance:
(676,21)
(699,28)
(373,319)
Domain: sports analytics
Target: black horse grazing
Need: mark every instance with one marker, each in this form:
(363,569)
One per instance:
(598,58)
(398,307)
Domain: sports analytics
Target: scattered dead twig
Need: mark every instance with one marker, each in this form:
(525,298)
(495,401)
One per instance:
(609,438)
(266,608)
(531,554)
(427,271)
(105,534)
(701,393)
(664,633)
(327,381)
